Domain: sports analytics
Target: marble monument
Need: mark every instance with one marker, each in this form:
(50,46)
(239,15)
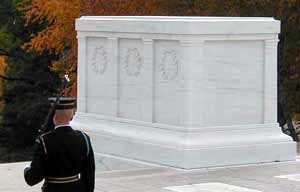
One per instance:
(186,92)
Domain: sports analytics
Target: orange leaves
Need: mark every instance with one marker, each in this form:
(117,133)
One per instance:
(60,16)
(119,7)
(2,70)
(59,35)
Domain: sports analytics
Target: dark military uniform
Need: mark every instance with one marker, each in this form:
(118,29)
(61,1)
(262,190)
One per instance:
(59,158)
(64,158)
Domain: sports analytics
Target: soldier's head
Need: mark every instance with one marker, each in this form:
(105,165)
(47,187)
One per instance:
(62,117)
(64,111)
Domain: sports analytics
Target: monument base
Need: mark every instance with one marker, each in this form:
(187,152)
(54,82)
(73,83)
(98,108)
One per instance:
(187,148)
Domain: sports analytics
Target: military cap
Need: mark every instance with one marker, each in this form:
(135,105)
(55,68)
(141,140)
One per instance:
(63,103)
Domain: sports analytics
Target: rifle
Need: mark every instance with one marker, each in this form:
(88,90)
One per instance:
(46,126)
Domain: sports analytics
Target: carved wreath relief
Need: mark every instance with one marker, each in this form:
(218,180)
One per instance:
(133,62)
(169,65)
(99,60)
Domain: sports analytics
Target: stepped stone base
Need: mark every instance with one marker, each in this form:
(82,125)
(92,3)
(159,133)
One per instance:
(187,149)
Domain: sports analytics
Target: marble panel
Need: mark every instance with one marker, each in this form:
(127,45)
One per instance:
(167,82)
(101,95)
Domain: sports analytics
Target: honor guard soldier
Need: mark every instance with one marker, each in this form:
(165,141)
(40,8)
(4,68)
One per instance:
(63,157)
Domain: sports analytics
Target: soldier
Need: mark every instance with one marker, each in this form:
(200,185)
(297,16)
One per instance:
(64,157)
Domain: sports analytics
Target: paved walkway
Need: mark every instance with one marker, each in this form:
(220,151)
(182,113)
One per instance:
(276,177)
(120,175)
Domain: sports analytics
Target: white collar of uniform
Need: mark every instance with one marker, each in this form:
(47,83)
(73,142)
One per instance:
(61,126)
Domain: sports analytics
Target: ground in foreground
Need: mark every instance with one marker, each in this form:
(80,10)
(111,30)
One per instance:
(272,177)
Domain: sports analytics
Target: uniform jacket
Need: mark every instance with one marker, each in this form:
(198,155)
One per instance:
(63,152)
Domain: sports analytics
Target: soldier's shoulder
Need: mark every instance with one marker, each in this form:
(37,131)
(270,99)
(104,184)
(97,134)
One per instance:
(44,136)
(82,132)
(42,140)
(47,134)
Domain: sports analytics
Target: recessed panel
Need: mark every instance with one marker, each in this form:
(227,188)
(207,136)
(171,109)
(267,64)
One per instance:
(232,83)
(134,86)
(167,76)
(101,78)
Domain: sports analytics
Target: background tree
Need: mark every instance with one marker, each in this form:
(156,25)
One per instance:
(59,37)
(28,79)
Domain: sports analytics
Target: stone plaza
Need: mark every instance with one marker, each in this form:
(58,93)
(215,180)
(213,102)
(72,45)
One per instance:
(269,177)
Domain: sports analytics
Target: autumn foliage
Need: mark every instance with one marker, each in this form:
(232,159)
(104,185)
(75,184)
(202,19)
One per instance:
(60,36)
(2,70)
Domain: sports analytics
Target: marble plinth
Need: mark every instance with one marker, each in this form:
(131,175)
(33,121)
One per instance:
(187,92)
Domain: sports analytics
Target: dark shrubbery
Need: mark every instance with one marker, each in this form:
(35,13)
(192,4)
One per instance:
(28,83)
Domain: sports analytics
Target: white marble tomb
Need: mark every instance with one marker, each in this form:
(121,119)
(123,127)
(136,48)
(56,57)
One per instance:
(186,92)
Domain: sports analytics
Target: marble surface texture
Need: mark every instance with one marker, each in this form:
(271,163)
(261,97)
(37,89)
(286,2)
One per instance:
(178,90)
